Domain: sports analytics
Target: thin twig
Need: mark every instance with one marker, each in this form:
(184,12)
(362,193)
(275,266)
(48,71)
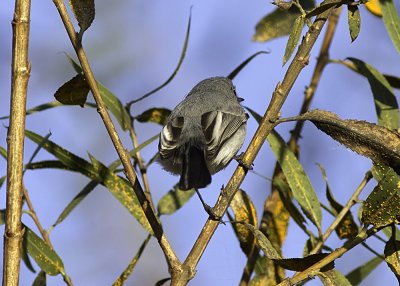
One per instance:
(353,199)
(15,143)
(172,259)
(266,125)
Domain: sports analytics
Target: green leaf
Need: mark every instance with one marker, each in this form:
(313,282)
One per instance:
(354,21)
(73,92)
(325,5)
(297,179)
(84,12)
(2,180)
(234,73)
(264,243)
(156,115)
(40,279)
(279,23)
(357,275)
(333,278)
(245,212)
(98,172)
(386,104)
(44,255)
(294,38)
(38,108)
(301,264)
(392,256)
(173,200)
(382,206)
(112,103)
(392,21)
(346,228)
(2,216)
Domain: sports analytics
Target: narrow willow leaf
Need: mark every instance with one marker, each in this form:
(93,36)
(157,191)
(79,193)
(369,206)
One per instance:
(376,142)
(112,103)
(27,261)
(297,179)
(156,115)
(357,275)
(354,21)
(233,74)
(382,206)
(301,264)
(392,21)
(325,5)
(3,152)
(40,279)
(284,192)
(279,23)
(392,256)
(44,255)
(245,212)
(173,200)
(39,108)
(2,180)
(2,216)
(333,278)
(264,243)
(115,106)
(84,13)
(346,228)
(118,186)
(374,7)
(294,38)
(386,104)
(73,92)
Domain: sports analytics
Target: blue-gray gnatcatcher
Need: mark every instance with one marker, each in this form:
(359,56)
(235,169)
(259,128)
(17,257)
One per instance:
(203,133)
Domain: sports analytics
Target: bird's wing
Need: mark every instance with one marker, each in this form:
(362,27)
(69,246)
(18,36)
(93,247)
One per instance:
(169,137)
(218,126)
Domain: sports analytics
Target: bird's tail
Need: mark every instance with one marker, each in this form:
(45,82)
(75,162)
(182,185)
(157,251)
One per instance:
(195,173)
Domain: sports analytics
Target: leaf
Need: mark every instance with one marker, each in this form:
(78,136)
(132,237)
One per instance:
(173,200)
(333,278)
(301,264)
(297,179)
(357,275)
(383,204)
(264,243)
(392,21)
(294,38)
(2,216)
(376,142)
(354,21)
(156,115)
(386,105)
(84,12)
(325,5)
(40,279)
(2,180)
(279,23)
(112,103)
(245,212)
(346,228)
(98,172)
(45,257)
(374,7)
(73,92)
(392,256)
(233,74)
(27,261)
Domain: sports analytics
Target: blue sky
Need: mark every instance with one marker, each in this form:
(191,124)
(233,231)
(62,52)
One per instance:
(133,46)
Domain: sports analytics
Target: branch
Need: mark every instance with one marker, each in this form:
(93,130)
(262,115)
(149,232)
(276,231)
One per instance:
(172,259)
(15,142)
(266,125)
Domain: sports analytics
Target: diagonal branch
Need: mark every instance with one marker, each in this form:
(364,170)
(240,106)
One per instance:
(266,125)
(172,259)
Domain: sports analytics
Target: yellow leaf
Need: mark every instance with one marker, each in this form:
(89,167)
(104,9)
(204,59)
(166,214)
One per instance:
(374,8)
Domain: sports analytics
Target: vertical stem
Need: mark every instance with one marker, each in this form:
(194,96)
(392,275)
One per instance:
(15,142)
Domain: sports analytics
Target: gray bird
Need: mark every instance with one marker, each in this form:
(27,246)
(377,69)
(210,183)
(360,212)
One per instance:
(203,133)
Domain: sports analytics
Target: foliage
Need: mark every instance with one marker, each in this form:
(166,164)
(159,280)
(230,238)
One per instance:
(292,192)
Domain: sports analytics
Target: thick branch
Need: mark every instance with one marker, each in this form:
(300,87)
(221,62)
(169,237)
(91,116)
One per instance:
(15,142)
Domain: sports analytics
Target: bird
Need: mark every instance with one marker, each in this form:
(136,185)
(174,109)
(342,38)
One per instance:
(203,133)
